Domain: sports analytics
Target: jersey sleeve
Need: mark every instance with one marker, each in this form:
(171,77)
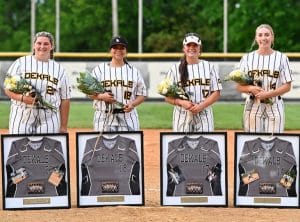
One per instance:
(11,163)
(243,64)
(244,158)
(285,70)
(141,86)
(291,172)
(172,73)
(215,83)
(85,177)
(59,166)
(65,88)
(174,174)
(134,180)
(214,173)
(14,69)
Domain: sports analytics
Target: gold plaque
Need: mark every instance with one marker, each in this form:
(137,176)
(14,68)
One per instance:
(194,199)
(111,199)
(266,200)
(36,201)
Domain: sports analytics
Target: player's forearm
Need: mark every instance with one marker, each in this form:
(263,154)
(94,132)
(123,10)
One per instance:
(14,96)
(172,101)
(64,114)
(280,90)
(243,88)
(138,100)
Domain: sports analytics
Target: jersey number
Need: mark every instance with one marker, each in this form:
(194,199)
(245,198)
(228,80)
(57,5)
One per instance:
(50,90)
(205,93)
(127,95)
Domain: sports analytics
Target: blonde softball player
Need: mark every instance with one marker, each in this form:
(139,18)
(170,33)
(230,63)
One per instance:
(124,84)
(50,80)
(264,108)
(200,80)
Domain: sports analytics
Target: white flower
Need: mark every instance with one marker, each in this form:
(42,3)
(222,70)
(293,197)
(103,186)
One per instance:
(164,90)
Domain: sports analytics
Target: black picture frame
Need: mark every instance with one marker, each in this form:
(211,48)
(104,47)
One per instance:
(110,176)
(35,171)
(266,170)
(191,177)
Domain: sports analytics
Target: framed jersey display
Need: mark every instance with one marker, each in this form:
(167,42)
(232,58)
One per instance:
(35,171)
(110,168)
(193,169)
(266,170)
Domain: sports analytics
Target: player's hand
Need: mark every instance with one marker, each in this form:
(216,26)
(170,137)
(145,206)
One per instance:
(196,108)
(185,103)
(63,130)
(29,100)
(254,90)
(106,97)
(128,108)
(262,95)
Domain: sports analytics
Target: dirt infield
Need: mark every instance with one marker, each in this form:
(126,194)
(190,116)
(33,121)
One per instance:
(152,211)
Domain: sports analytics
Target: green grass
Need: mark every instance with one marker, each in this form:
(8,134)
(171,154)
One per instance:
(158,115)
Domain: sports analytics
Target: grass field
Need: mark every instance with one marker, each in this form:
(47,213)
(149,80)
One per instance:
(158,115)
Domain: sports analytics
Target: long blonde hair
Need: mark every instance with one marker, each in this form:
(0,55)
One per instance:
(267,26)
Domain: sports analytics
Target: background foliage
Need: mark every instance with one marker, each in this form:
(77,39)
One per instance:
(86,25)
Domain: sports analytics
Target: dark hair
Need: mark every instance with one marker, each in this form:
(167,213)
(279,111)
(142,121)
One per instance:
(51,39)
(183,71)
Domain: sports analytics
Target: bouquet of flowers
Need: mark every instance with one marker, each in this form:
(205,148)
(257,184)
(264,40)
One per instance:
(239,77)
(242,78)
(19,85)
(91,86)
(168,88)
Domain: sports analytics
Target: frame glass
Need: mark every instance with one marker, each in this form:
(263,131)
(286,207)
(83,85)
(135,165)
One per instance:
(110,168)
(266,170)
(35,171)
(194,169)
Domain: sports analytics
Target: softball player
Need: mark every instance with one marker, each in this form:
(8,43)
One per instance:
(50,80)
(201,82)
(272,69)
(123,84)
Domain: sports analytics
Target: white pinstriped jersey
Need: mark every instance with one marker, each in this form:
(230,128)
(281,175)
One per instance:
(270,160)
(202,81)
(274,71)
(125,83)
(48,78)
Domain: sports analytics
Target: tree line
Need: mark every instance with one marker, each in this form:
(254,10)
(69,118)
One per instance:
(86,25)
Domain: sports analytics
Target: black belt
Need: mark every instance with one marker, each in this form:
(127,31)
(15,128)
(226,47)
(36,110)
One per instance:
(263,101)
